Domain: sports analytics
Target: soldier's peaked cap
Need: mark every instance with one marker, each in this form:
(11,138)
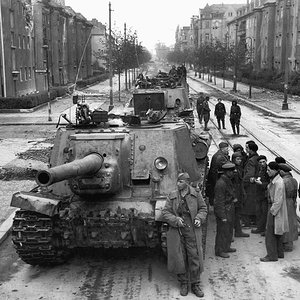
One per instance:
(284,167)
(223,145)
(183,176)
(228,166)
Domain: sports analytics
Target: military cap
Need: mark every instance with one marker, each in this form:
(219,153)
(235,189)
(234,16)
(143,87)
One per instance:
(183,176)
(280,160)
(273,165)
(284,167)
(228,166)
(237,146)
(260,157)
(223,145)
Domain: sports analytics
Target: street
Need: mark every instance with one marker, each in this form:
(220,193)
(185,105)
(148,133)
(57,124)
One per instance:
(142,273)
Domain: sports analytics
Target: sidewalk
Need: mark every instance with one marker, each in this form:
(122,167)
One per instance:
(267,101)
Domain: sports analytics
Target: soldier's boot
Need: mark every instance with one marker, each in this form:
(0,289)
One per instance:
(184,289)
(238,129)
(197,290)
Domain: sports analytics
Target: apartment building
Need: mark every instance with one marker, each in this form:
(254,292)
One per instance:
(41,35)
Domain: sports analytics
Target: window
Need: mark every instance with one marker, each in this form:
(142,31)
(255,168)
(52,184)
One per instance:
(12,38)
(25,74)
(19,41)
(24,42)
(11,19)
(13,59)
(28,42)
(21,74)
(29,72)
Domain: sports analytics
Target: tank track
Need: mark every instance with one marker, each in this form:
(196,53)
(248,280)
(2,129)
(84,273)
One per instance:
(36,241)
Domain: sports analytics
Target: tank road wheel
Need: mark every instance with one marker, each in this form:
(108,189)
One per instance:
(163,238)
(35,239)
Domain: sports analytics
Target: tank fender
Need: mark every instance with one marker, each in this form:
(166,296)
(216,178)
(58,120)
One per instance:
(37,203)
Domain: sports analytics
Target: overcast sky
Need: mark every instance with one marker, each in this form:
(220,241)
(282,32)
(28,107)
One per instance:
(154,20)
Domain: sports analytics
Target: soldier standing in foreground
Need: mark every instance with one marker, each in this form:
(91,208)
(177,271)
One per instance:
(225,198)
(185,211)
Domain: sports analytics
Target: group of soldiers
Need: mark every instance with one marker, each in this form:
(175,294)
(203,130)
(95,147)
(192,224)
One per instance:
(203,112)
(247,191)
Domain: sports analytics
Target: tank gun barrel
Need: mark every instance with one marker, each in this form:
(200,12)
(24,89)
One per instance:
(88,165)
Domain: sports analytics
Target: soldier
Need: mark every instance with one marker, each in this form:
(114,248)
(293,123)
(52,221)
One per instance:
(185,211)
(250,174)
(225,198)
(240,193)
(235,117)
(199,106)
(217,160)
(262,180)
(206,112)
(277,219)
(220,112)
(291,186)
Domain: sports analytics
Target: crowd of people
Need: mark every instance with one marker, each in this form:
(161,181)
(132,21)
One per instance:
(245,191)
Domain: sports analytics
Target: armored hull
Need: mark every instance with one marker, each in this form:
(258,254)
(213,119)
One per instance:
(105,187)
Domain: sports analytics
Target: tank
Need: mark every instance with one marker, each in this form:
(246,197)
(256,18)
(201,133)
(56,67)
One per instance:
(167,92)
(105,186)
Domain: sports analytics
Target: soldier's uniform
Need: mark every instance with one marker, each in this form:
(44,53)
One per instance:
(185,254)
(224,211)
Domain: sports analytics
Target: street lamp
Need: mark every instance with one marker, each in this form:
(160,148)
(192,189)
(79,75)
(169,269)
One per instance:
(251,54)
(46,48)
(286,23)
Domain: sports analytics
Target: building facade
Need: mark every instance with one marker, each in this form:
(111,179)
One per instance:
(98,45)
(43,44)
(270,30)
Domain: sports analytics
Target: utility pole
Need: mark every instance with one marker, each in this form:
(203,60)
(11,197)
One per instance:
(286,42)
(2,53)
(125,42)
(46,49)
(111,102)
(236,58)
(251,65)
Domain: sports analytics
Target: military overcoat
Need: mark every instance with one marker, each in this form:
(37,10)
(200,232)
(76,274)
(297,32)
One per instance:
(198,210)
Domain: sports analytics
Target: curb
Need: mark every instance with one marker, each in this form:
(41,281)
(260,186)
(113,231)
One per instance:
(6,226)
(261,108)
(28,110)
